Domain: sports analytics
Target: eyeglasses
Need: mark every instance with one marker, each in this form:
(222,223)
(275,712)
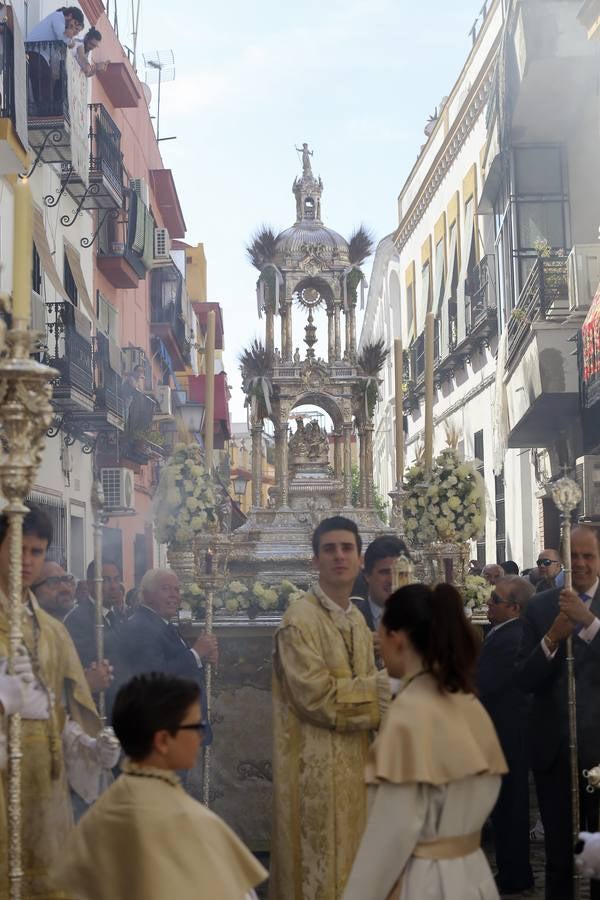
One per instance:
(55,580)
(496,599)
(193,726)
(546,562)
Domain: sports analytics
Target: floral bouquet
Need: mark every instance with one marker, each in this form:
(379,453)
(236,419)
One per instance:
(185,501)
(476,593)
(251,597)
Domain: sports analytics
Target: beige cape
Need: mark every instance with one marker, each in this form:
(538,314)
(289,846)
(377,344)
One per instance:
(429,737)
(146,839)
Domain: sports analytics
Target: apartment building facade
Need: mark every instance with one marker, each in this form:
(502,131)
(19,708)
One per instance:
(497,235)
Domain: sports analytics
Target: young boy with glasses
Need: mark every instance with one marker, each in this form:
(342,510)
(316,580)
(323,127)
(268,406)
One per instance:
(146,838)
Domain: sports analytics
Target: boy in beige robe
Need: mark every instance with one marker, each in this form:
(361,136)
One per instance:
(326,702)
(146,839)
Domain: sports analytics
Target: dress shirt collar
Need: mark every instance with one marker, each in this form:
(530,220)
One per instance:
(341,617)
(499,626)
(154,613)
(591,591)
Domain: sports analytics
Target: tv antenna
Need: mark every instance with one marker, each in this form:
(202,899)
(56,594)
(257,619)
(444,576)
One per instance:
(160,66)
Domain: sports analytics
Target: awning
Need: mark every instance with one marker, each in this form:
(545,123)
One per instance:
(202,310)
(590,340)
(167,201)
(77,272)
(197,394)
(46,259)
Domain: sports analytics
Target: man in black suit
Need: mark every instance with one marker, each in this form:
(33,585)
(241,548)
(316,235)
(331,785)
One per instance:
(377,570)
(81,625)
(550,617)
(508,708)
(151,643)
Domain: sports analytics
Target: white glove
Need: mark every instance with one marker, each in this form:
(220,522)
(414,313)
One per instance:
(106,749)
(587,854)
(11,694)
(22,668)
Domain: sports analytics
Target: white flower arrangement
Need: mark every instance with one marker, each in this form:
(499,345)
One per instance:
(448,506)
(185,501)
(253,597)
(476,593)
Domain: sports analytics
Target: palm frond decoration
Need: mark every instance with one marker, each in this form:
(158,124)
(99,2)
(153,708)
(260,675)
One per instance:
(360,245)
(255,361)
(256,364)
(372,358)
(261,248)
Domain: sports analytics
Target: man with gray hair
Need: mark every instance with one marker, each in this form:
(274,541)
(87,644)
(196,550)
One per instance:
(508,708)
(152,643)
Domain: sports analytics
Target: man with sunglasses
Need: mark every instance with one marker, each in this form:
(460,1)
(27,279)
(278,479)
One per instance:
(508,708)
(55,590)
(550,573)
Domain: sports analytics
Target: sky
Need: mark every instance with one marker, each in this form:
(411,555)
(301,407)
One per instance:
(356,79)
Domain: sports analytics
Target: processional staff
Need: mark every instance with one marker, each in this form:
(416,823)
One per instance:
(25,416)
(209,416)
(566,495)
(98,511)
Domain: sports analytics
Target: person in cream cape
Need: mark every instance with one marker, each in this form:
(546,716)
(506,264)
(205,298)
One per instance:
(146,838)
(434,770)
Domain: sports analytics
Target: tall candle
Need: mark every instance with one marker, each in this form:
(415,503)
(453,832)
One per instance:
(22,250)
(209,413)
(429,362)
(399,403)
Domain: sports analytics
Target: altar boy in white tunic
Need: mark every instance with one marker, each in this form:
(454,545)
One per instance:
(435,767)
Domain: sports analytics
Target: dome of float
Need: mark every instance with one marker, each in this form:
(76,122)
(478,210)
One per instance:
(305,235)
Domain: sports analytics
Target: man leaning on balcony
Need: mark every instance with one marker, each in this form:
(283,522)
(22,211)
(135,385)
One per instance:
(62,25)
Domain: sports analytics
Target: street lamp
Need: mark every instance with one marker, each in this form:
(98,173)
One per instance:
(240,482)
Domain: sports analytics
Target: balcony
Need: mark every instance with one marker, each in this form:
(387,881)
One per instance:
(116,259)
(13,122)
(69,349)
(52,114)
(101,186)
(109,400)
(167,321)
(480,302)
(541,371)
(142,441)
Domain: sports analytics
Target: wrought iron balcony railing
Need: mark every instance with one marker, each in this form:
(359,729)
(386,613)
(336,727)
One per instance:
(545,297)
(480,302)
(108,379)
(166,308)
(47,80)
(70,351)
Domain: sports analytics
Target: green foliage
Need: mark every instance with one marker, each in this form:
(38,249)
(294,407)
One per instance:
(360,245)
(372,358)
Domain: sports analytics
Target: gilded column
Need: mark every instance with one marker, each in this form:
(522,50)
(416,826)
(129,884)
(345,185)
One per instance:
(284,475)
(330,335)
(257,431)
(337,340)
(348,465)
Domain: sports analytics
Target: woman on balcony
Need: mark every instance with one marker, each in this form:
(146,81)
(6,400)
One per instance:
(59,27)
(82,51)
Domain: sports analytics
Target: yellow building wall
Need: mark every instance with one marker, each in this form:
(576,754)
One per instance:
(195,273)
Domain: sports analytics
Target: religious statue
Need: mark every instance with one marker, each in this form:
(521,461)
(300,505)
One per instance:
(297,355)
(306,155)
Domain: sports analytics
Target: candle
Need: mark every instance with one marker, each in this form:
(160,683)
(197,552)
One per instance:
(208,561)
(22,251)
(399,402)
(209,413)
(429,339)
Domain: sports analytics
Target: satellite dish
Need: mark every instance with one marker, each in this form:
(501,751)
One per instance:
(147,91)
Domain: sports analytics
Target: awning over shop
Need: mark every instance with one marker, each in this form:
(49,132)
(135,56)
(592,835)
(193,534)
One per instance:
(590,351)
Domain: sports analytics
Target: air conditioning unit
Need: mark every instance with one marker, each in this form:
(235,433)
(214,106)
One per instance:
(164,396)
(140,186)
(118,489)
(584,275)
(162,245)
(588,478)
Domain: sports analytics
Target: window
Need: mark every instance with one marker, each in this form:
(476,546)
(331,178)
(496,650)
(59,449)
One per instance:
(479,454)
(500,519)
(426,287)
(108,317)
(36,272)
(69,282)
(409,306)
(440,276)
(452,289)
(57,513)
